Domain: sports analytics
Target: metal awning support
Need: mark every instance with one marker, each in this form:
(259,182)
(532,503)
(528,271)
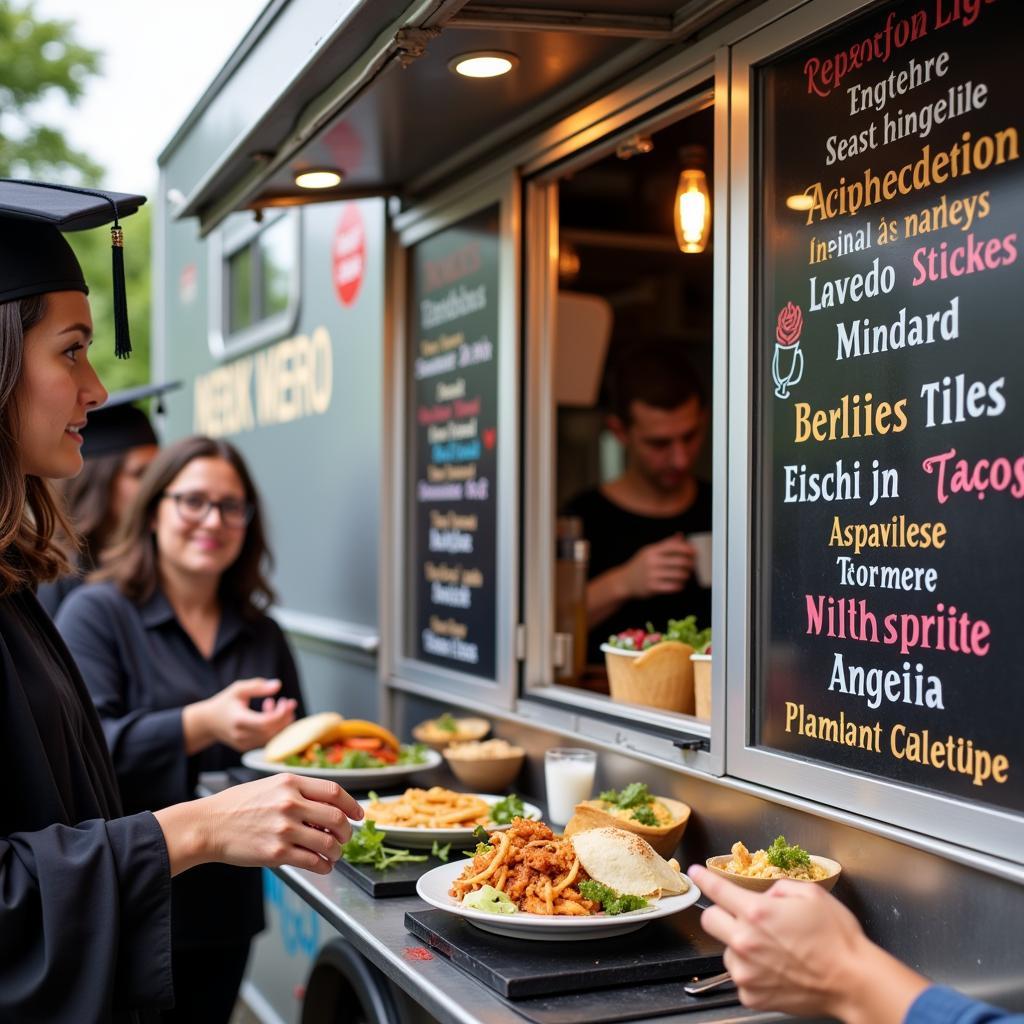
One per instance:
(403,39)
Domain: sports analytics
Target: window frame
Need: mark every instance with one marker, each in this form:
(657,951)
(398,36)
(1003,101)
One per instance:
(234,235)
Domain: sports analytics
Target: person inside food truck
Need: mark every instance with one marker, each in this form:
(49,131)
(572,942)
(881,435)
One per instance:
(187,673)
(118,445)
(642,562)
(798,950)
(85,918)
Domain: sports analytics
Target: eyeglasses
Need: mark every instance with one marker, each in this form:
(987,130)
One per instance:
(194,507)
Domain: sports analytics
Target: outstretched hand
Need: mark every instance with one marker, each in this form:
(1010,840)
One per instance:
(797,949)
(284,819)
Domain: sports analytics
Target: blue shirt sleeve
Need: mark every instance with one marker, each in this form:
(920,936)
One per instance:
(938,1005)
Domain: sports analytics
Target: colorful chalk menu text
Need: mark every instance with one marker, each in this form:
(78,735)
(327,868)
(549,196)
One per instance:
(889,486)
(452,443)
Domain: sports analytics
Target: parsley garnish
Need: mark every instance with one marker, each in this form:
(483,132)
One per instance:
(786,857)
(636,794)
(446,723)
(645,815)
(611,901)
(441,852)
(367,847)
(505,810)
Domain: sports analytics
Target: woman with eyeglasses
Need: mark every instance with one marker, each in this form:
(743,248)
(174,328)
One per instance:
(187,672)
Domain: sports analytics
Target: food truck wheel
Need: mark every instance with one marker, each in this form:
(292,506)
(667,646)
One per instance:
(345,987)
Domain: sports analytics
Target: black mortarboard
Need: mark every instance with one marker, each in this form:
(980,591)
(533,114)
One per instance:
(119,424)
(34,256)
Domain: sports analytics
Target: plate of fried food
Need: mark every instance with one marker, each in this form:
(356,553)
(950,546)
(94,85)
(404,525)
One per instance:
(527,883)
(422,817)
(349,751)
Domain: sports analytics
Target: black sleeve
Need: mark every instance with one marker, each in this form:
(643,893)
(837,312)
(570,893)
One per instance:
(147,747)
(84,921)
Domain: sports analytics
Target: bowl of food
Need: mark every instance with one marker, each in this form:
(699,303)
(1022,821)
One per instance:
(446,729)
(488,766)
(654,669)
(657,819)
(761,869)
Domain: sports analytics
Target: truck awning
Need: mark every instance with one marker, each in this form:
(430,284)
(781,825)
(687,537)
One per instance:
(369,92)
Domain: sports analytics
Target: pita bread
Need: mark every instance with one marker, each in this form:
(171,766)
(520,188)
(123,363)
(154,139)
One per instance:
(294,738)
(626,863)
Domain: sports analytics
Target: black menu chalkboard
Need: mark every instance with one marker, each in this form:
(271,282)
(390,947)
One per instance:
(889,399)
(452,446)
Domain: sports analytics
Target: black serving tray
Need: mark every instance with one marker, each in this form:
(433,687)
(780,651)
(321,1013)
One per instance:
(397,880)
(675,949)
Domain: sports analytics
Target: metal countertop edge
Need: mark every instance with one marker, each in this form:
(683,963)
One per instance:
(434,997)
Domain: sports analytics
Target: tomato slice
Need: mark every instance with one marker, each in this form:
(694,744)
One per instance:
(335,752)
(363,743)
(386,754)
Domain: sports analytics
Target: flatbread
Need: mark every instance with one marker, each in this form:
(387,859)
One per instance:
(626,863)
(294,738)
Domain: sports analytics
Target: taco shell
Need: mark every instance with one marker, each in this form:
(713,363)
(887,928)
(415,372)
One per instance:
(293,739)
(626,863)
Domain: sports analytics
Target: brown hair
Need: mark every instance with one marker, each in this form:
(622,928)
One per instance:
(132,561)
(30,514)
(87,498)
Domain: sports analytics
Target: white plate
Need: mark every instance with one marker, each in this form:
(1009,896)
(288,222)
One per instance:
(357,778)
(426,837)
(434,885)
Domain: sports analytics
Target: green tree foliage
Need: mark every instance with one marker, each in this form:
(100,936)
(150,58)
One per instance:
(37,57)
(93,251)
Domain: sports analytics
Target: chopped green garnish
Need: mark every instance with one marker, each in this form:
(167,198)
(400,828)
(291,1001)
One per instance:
(505,810)
(786,857)
(611,901)
(480,848)
(441,852)
(636,794)
(358,759)
(367,847)
(481,834)
(412,753)
(686,632)
(645,815)
(490,900)
(372,796)
(446,723)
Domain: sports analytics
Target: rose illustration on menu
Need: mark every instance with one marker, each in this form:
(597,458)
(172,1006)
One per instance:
(788,360)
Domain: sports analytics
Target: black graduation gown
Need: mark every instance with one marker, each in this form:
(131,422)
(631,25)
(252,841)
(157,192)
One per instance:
(85,893)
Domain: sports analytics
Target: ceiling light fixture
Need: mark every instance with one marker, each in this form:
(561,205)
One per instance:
(318,178)
(692,210)
(483,64)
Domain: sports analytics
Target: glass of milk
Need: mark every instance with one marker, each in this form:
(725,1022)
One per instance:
(568,779)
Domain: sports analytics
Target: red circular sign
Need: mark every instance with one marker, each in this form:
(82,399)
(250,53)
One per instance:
(348,255)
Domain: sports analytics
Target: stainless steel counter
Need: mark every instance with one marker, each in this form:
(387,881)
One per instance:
(376,928)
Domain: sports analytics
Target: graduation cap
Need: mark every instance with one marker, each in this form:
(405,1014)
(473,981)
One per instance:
(35,258)
(119,424)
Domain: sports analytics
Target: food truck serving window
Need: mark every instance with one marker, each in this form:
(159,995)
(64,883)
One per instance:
(888,394)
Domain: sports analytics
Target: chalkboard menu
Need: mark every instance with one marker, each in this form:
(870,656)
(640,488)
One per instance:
(452,443)
(889,399)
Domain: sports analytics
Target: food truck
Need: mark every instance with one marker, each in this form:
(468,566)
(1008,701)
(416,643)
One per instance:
(817,204)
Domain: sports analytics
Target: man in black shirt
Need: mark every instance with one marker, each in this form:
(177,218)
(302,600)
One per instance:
(641,563)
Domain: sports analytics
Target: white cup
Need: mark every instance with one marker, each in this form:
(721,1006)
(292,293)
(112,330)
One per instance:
(701,544)
(568,779)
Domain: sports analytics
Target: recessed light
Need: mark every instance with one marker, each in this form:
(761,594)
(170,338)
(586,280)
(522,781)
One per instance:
(317,179)
(801,201)
(483,64)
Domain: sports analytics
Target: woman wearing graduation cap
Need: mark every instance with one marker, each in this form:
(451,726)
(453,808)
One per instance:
(118,444)
(187,672)
(85,902)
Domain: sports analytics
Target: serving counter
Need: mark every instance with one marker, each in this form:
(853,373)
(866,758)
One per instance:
(376,928)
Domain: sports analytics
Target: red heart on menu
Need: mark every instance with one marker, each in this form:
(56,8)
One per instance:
(490,437)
